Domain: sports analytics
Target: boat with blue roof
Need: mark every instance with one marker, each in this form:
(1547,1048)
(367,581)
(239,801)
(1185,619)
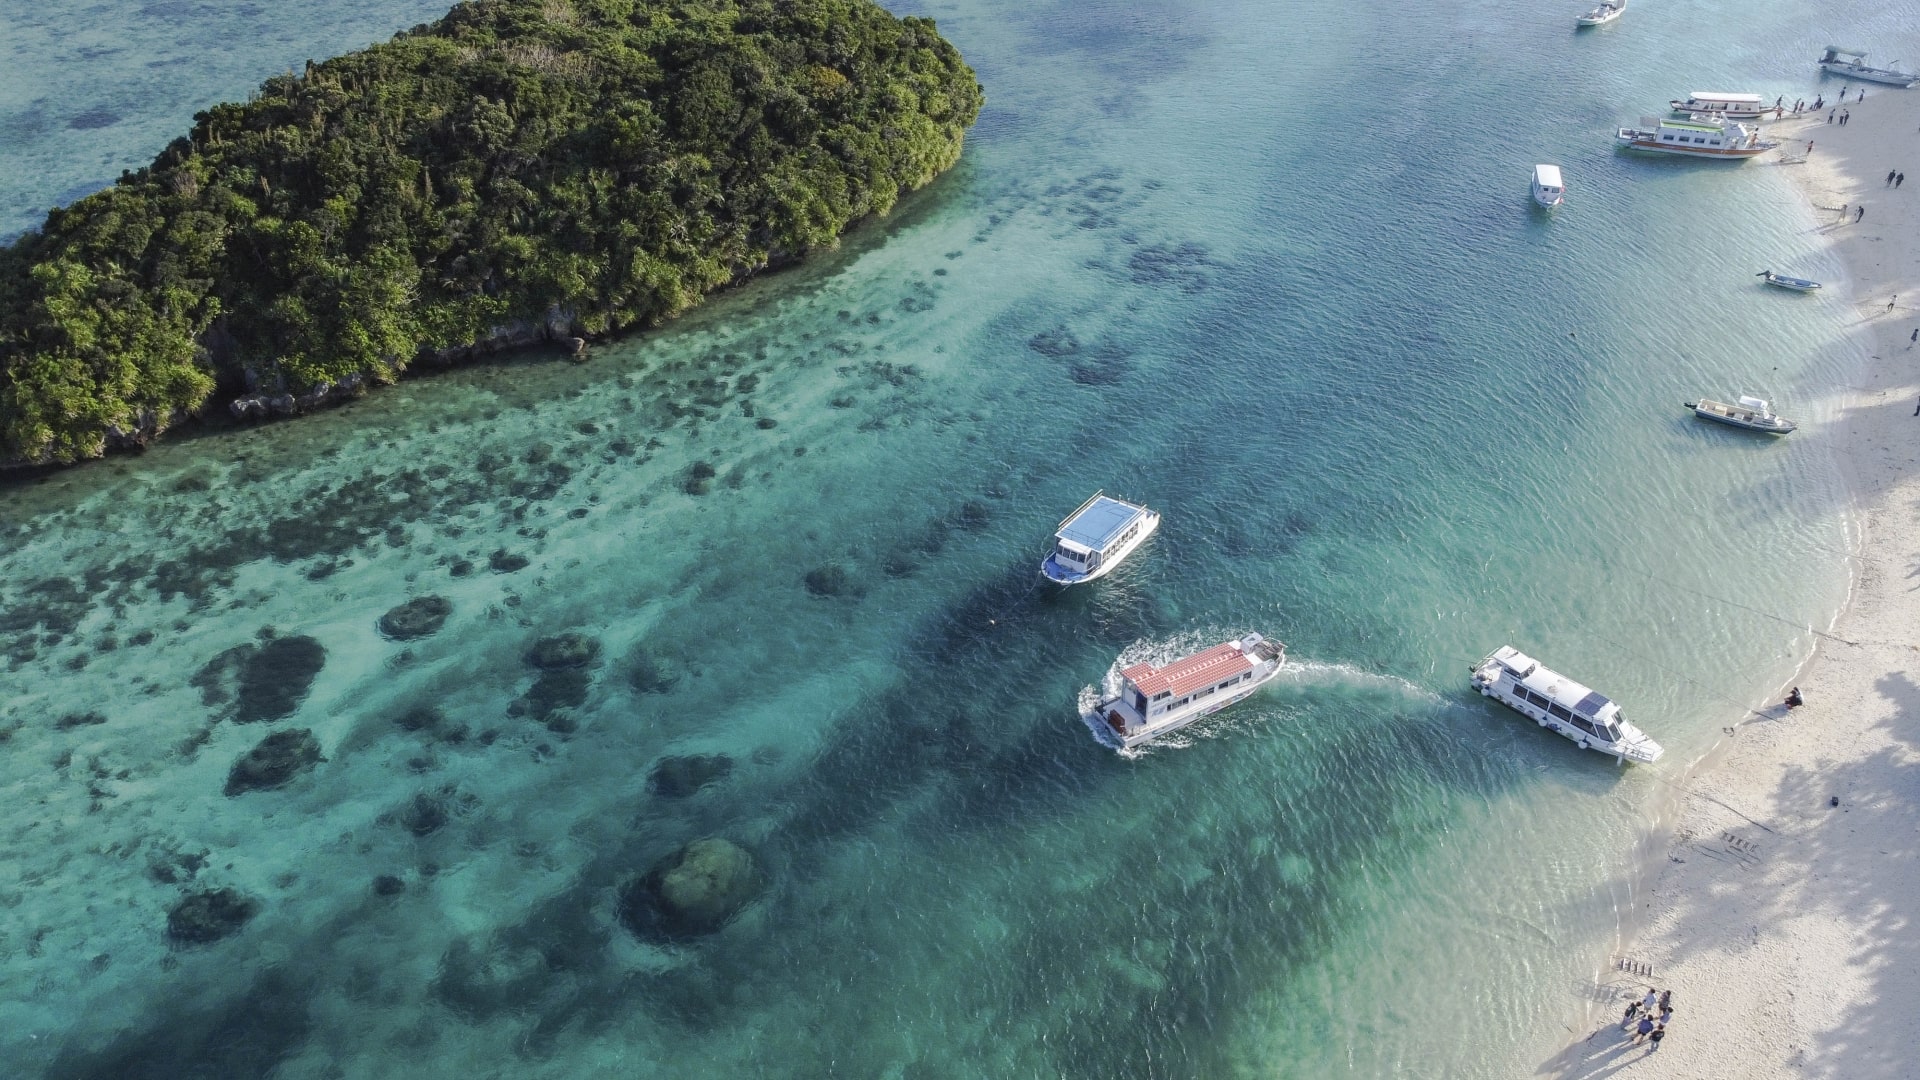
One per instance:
(1583,715)
(1094,539)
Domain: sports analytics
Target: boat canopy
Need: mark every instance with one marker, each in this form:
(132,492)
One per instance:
(1835,52)
(1730,99)
(1547,176)
(1515,661)
(1099,523)
(1759,405)
(1182,677)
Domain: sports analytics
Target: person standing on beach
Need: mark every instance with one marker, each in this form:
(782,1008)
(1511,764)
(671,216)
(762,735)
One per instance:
(1858,213)
(1829,116)
(1666,1001)
(1643,1029)
(1653,1040)
(1633,1007)
(1892,300)
(1898,179)
(1915,337)
(1891,173)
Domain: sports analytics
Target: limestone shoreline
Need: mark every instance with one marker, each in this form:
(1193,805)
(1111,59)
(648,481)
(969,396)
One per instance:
(1784,914)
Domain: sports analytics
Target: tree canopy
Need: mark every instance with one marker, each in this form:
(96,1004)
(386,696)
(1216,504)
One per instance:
(614,160)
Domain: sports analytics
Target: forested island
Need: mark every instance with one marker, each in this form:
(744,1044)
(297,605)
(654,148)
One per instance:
(517,170)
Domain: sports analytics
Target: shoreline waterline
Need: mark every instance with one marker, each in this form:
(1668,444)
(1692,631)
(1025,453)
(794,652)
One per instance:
(1736,954)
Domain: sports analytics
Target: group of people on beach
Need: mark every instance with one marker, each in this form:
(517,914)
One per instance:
(1641,1014)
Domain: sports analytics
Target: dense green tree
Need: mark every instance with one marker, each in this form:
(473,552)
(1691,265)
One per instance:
(609,160)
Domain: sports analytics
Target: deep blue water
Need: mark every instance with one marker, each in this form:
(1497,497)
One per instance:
(1271,269)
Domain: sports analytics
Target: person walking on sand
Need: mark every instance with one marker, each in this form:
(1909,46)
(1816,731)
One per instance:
(1898,179)
(1915,337)
(1858,213)
(1666,1001)
(1892,300)
(1891,173)
(1829,116)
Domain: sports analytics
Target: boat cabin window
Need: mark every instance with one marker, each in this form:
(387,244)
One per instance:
(1564,713)
(1583,725)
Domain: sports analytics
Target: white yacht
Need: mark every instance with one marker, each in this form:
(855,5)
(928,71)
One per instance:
(1608,11)
(1155,700)
(1751,413)
(1715,103)
(1549,189)
(1697,136)
(1093,539)
(1554,701)
(1852,63)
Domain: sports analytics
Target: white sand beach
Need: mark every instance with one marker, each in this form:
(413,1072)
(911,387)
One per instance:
(1784,920)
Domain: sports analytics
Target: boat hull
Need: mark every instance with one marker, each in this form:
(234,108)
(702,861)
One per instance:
(1885,76)
(1174,722)
(1734,153)
(1052,570)
(1744,419)
(1644,752)
(1799,285)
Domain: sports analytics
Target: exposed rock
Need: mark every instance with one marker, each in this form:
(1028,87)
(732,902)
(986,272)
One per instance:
(560,651)
(679,776)
(209,915)
(691,892)
(416,618)
(278,758)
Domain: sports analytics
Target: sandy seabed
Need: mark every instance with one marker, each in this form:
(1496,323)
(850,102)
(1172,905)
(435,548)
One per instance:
(1783,915)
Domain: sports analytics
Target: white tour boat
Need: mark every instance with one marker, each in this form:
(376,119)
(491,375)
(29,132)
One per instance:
(1751,413)
(1731,106)
(1093,539)
(1852,63)
(1782,281)
(1549,190)
(1608,11)
(1554,701)
(1155,700)
(1699,136)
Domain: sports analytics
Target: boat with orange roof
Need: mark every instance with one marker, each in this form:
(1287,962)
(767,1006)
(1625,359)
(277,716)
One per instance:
(1156,700)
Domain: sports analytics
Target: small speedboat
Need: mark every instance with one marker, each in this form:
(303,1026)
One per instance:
(1852,64)
(1782,281)
(1608,11)
(1549,188)
(1751,413)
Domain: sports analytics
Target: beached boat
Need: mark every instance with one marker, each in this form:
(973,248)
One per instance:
(1782,281)
(1852,63)
(1714,103)
(1549,190)
(1608,11)
(1093,539)
(1702,137)
(1751,413)
(1156,700)
(1556,702)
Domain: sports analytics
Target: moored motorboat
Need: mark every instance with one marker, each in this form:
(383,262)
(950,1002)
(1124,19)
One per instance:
(1715,103)
(1750,413)
(1549,189)
(1556,702)
(1852,63)
(1153,701)
(1782,281)
(1608,11)
(1698,136)
(1092,540)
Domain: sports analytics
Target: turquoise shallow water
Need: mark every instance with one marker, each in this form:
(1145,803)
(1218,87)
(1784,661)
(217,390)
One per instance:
(1271,269)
